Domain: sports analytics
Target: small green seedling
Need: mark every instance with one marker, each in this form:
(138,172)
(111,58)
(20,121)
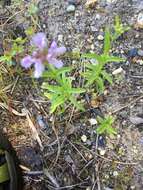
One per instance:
(32,9)
(105,125)
(96,73)
(119,29)
(105,57)
(17,48)
(63,93)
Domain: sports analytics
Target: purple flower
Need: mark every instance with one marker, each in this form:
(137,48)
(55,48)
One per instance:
(27,61)
(39,40)
(39,68)
(42,55)
(53,52)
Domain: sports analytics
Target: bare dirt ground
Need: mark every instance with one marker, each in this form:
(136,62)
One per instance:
(100,162)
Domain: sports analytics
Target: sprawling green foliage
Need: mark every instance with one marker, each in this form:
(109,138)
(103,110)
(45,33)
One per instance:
(62,93)
(119,29)
(97,73)
(16,49)
(105,125)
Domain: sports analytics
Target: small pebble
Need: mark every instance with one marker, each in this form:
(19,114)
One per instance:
(90,3)
(135,149)
(93,121)
(140,52)
(101,141)
(41,122)
(84,138)
(140,20)
(60,37)
(117,71)
(107,188)
(73,2)
(70,8)
(102,152)
(100,37)
(110,1)
(140,62)
(136,120)
(88,188)
(115,173)
(97,16)
(92,46)
(133,187)
(133,52)
(94,29)
(44,26)
(107,176)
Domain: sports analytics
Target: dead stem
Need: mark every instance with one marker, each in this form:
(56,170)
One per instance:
(77,150)
(127,105)
(58,142)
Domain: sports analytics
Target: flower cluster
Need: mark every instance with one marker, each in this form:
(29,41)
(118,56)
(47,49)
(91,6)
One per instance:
(42,54)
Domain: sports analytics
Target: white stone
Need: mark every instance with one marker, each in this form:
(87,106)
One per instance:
(115,173)
(60,37)
(70,8)
(140,19)
(93,121)
(117,71)
(84,138)
(102,152)
(100,37)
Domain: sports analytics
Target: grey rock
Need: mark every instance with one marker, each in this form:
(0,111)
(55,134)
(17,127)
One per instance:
(136,120)
(70,8)
(140,52)
(73,2)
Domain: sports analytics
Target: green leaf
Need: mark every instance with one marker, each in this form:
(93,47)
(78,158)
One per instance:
(76,104)
(32,10)
(105,125)
(112,131)
(48,95)
(100,84)
(56,102)
(64,70)
(107,58)
(90,56)
(52,88)
(107,77)
(119,29)
(76,91)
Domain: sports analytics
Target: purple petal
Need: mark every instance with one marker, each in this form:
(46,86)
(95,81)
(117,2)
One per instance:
(57,63)
(59,51)
(53,45)
(26,62)
(39,40)
(52,49)
(39,68)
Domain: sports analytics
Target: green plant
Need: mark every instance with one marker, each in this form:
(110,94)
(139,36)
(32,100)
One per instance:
(105,125)
(32,9)
(17,47)
(97,73)
(62,93)
(119,28)
(53,73)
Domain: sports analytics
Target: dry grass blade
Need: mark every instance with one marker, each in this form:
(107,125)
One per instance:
(5,106)
(51,178)
(34,131)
